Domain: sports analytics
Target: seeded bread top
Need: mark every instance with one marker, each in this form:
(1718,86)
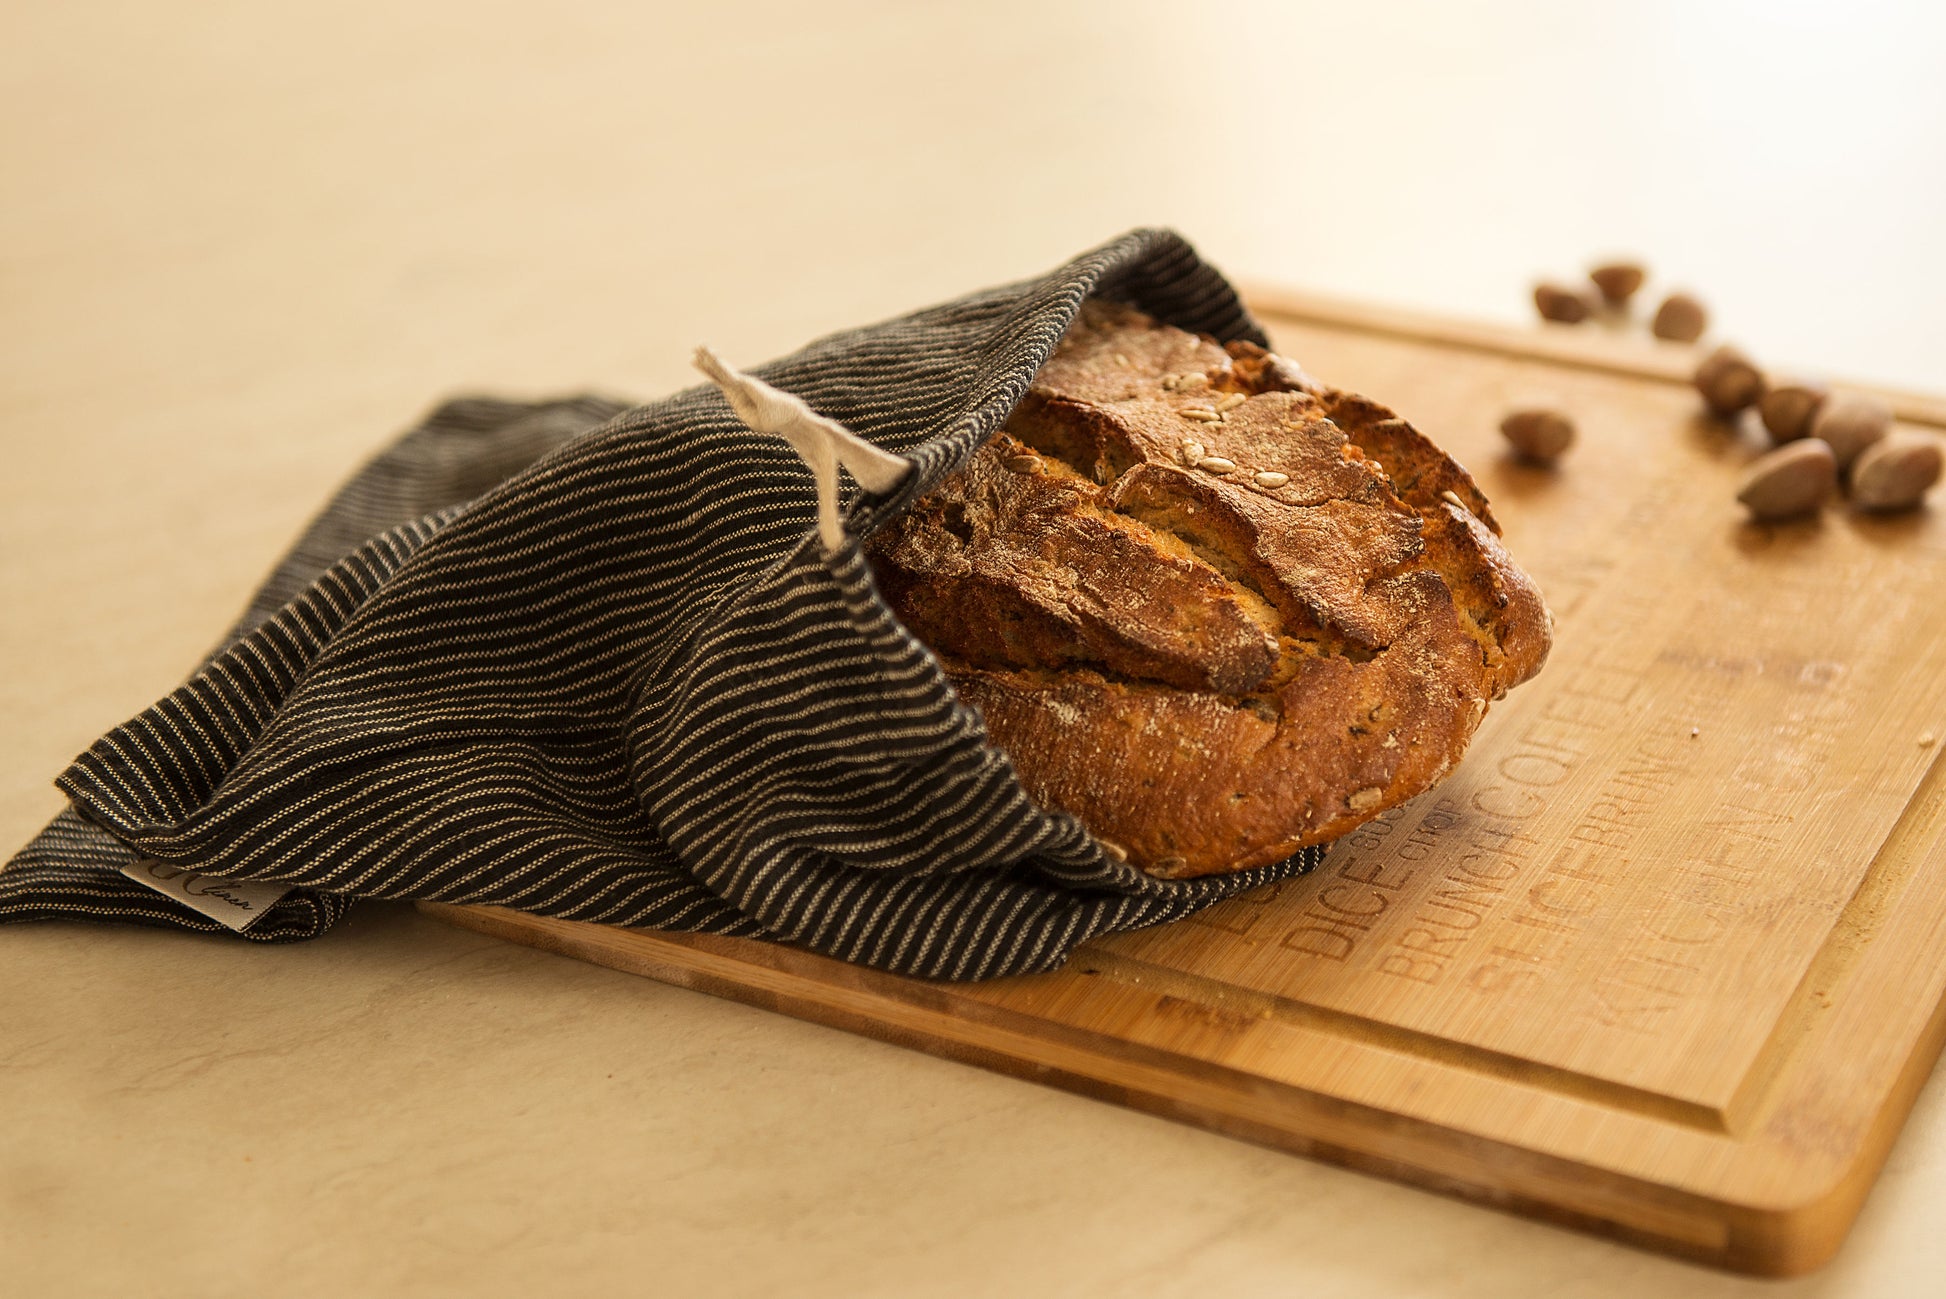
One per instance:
(1210,606)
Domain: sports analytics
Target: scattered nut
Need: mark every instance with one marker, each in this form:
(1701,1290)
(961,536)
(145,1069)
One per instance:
(1192,451)
(1793,479)
(1539,433)
(1113,849)
(1217,465)
(1896,472)
(1270,480)
(1554,302)
(1364,800)
(1728,381)
(1680,318)
(1789,408)
(1850,422)
(1024,464)
(1617,281)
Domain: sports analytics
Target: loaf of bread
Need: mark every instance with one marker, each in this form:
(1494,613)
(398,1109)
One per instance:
(1209,606)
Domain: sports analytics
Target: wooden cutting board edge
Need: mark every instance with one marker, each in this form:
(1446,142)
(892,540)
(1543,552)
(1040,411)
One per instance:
(1760,1227)
(1586,347)
(1781,1238)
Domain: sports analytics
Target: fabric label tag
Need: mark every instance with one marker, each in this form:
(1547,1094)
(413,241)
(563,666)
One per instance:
(237,904)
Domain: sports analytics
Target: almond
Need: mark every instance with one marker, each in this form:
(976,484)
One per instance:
(1896,472)
(1793,479)
(1617,281)
(1729,381)
(1563,305)
(1850,422)
(1539,433)
(1680,319)
(1789,408)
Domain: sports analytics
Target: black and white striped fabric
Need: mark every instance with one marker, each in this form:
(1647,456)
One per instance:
(593,663)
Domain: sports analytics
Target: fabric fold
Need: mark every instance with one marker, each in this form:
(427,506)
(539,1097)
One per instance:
(620,679)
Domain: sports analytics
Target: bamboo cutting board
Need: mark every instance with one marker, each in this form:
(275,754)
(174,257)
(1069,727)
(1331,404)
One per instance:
(1664,958)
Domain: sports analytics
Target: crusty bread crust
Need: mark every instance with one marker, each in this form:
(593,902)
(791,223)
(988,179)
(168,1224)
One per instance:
(1211,607)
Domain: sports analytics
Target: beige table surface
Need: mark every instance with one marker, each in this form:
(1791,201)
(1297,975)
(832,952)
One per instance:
(241,245)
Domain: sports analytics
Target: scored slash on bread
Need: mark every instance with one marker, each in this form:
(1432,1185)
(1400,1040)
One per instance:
(1211,607)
